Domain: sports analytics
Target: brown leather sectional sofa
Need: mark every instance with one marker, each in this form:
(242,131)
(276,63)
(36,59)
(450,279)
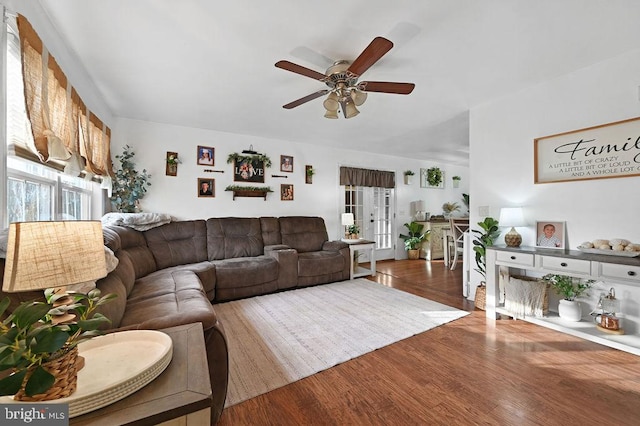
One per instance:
(175,273)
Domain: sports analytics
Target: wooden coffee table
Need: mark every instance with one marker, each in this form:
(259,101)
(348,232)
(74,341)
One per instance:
(181,395)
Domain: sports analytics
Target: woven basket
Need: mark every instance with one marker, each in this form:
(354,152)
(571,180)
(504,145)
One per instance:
(65,370)
(545,300)
(481,297)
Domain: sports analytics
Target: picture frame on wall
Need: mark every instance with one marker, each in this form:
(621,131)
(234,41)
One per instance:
(286,163)
(206,187)
(550,234)
(248,169)
(286,192)
(206,155)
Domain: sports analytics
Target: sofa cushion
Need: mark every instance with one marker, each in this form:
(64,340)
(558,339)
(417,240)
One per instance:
(171,298)
(245,272)
(304,234)
(270,231)
(178,243)
(134,244)
(232,237)
(320,263)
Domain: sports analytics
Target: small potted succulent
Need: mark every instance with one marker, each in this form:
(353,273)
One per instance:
(39,338)
(408,177)
(456,181)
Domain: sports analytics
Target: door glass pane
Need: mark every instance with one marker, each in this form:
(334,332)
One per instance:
(353,203)
(381,216)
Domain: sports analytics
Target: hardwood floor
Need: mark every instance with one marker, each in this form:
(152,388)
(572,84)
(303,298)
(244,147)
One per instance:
(470,371)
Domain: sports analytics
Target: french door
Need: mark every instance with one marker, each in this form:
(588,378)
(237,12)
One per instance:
(373,210)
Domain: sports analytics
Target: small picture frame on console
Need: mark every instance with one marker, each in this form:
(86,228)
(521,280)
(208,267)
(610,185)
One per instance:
(550,234)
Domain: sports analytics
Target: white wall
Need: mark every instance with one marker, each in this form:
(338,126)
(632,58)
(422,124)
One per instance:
(502,154)
(178,195)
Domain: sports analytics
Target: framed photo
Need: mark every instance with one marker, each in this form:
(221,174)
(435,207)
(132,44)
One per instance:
(206,187)
(286,192)
(550,234)
(248,169)
(286,163)
(424,178)
(206,156)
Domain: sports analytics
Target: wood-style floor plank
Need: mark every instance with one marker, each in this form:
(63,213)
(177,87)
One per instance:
(470,371)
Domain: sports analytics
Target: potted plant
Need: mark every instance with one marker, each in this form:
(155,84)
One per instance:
(414,239)
(456,181)
(449,208)
(129,185)
(309,172)
(434,176)
(408,177)
(37,336)
(484,238)
(569,289)
(353,231)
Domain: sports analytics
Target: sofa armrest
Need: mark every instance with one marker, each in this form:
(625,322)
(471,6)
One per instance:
(334,245)
(287,266)
(275,247)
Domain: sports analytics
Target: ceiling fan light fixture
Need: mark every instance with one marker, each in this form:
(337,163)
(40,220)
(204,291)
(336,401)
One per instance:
(350,110)
(331,103)
(358,97)
(331,114)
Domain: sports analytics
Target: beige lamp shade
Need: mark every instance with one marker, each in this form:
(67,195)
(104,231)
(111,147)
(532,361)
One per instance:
(53,254)
(347,219)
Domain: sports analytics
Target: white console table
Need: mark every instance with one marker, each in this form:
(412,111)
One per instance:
(609,269)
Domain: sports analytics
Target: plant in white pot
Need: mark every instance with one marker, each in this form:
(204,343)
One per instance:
(408,177)
(569,288)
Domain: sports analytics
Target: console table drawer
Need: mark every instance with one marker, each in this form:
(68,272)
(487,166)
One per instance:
(515,259)
(564,264)
(620,272)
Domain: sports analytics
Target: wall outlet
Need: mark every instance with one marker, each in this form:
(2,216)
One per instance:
(483,211)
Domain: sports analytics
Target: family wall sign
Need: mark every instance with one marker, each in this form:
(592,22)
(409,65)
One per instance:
(607,151)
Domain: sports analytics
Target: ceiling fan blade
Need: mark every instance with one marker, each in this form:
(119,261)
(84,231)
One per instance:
(306,99)
(299,69)
(386,87)
(369,56)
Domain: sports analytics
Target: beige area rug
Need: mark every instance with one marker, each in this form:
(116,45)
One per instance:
(280,338)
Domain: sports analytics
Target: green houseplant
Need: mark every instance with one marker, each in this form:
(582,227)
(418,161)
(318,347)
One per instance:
(408,177)
(353,231)
(569,289)
(414,238)
(484,238)
(36,333)
(129,185)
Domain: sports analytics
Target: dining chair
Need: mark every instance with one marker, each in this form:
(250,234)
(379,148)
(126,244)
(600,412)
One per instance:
(459,225)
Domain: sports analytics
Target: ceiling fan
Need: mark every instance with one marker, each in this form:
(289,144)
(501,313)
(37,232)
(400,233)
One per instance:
(342,79)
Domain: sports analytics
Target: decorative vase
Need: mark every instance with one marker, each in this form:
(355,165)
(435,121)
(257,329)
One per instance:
(65,370)
(408,179)
(570,310)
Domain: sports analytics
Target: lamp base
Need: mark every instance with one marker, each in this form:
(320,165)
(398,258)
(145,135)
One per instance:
(512,238)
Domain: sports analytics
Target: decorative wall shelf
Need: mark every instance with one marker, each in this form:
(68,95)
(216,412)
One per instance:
(247,193)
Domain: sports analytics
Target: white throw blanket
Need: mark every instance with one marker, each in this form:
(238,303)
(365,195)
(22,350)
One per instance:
(525,297)
(137,221)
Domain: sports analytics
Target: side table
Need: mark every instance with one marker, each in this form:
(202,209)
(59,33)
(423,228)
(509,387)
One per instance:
(359,245)
(181,395)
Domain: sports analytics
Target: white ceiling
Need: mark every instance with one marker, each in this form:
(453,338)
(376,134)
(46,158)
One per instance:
(210,64)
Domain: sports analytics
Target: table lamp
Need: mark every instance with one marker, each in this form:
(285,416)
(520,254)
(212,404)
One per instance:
(420,217)
(53,254)
(512,216)
(347,221)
